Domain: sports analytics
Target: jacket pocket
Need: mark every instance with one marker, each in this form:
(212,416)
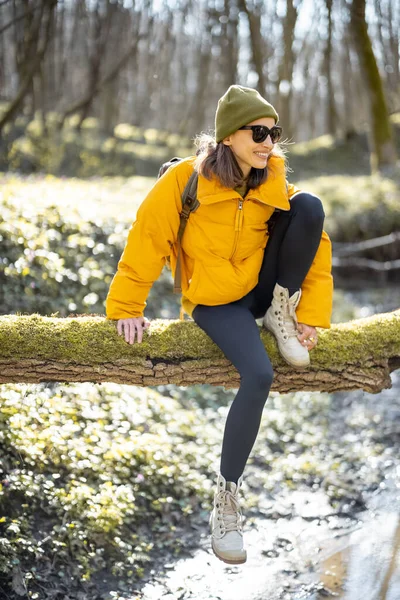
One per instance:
(217,283)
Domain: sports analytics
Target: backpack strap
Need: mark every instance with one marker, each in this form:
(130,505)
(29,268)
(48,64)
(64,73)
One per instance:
(189,205)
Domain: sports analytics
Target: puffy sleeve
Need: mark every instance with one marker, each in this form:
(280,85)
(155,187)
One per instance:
(292,189)
(149,243)
(315,306)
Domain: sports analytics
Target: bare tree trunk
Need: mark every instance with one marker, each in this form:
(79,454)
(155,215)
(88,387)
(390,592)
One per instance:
(33,65)
(195,109)
(25,32)
(194,115)
(15,19)
(286,67)
(389,42)
(230,44)
(199,102)
(167,58)
(347,120)
(109,77)
(67,48)
(383,155)
(40,90)
(101,30)
(331,116)
(258,50)
(393,21)
(2,61)
(313,109)
(109,107)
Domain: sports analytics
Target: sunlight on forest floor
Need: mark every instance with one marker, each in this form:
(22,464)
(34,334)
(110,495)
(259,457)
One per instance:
(375,205)
(305,558)
(102,197)
(299,547)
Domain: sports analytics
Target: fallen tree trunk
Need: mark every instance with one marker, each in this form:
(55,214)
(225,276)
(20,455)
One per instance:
(356,355)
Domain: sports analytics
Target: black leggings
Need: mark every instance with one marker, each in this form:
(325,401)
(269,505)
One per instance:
(290,251)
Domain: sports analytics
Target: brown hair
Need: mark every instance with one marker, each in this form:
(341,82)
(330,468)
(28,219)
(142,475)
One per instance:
(216,159)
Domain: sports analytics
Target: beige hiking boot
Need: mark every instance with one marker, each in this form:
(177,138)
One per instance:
(226,523)
(280,319)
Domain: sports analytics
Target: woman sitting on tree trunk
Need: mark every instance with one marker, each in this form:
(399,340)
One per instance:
(234,270)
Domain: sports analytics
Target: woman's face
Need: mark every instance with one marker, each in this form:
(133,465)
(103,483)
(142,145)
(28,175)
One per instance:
(248,153)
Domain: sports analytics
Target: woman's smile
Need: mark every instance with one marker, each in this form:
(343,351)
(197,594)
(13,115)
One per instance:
(263,155)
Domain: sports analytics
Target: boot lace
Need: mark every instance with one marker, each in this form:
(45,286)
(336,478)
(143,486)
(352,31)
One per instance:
(287,318)
(231,513)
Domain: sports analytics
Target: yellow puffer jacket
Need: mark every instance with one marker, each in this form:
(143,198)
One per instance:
(222,247)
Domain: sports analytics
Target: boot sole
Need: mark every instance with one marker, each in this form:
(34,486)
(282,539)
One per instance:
(229,561)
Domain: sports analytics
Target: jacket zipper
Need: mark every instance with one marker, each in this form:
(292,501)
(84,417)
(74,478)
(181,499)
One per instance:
(238,227)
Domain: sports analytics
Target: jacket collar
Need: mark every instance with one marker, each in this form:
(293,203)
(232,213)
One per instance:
(272,192)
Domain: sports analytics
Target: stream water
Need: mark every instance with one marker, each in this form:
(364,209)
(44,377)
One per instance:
(298,547)
(368,563)
(365,564)
(302,550)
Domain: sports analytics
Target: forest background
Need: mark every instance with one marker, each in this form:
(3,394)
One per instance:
(100,481)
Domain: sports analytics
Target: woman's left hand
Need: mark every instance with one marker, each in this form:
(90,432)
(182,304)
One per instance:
(307,335)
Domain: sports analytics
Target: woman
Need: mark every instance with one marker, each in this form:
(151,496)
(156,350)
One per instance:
(231,276)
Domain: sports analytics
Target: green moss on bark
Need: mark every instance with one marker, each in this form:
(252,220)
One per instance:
(94,340)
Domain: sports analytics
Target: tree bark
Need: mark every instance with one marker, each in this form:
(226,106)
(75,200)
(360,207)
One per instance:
(394,42)
(331,115)
(230,44)
(33,349)
(347,125)
(257,42)
(101,29)
(286,67)
(383,156)
(34,63)
(196,108)
(26,15)
(387,33)
(108,78)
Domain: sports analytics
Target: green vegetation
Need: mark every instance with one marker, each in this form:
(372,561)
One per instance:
(358,207)
(31,146)
(56,260)
(60,239)
(97,480)
(329,156)
(306,440)
(93,477)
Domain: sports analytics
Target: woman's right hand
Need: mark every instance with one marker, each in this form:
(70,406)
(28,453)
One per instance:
(130,327)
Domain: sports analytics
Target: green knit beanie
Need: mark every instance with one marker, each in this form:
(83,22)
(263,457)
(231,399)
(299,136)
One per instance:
(240,106)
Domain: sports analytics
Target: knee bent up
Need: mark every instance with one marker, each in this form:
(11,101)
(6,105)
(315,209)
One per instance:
(310,205)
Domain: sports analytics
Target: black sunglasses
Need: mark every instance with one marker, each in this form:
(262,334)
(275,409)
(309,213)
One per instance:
(261,132)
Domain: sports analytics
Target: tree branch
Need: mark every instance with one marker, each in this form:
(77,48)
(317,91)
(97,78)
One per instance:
(344,249)
(20,18)
(33,67)
(99,86)
(366,263)
(354,355)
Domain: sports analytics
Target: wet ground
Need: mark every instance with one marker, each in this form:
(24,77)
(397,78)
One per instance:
(299,547)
